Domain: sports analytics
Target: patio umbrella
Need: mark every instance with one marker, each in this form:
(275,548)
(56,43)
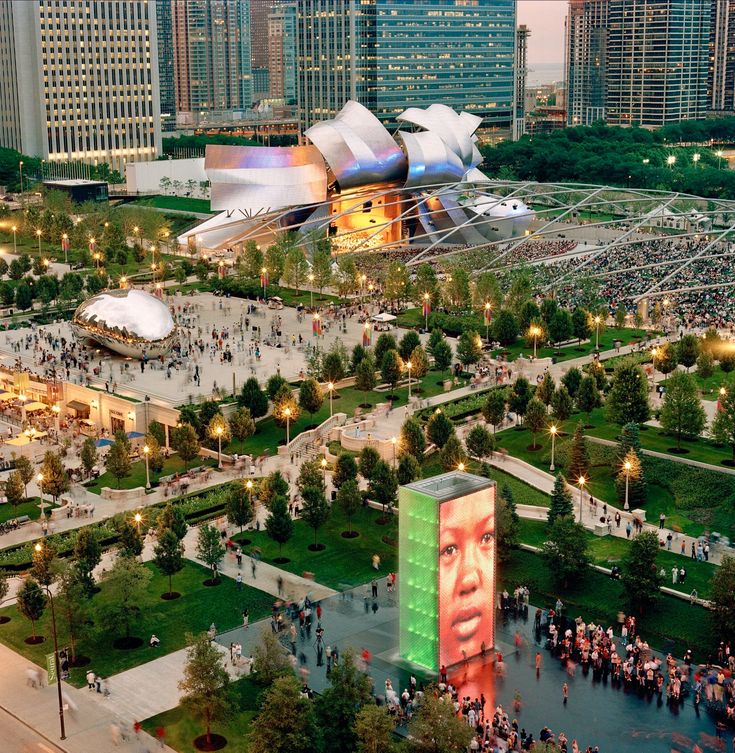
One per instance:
(103,442)
(134,435)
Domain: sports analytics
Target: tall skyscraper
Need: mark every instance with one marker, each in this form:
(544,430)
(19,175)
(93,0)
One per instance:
(78,80)
(585,60)
(393,54)
(212,66)
(282,53)
(721,80)
(521,71)
(657,61)
(164,33)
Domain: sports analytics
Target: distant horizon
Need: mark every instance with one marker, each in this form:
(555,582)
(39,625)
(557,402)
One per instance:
(545,20)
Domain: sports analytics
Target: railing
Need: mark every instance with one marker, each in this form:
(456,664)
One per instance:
(312,435)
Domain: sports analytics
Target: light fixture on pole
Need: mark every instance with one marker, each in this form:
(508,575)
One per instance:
(287,413)
(627,465)
(23,400)
(581,481)
(534,332)
(553,429)
(408,366)
(39,479)
(671,161)
(138,518)
(363,280)
(311,289)
(654,353)
(598,319)
(146,453)
(249,487)
(394,441)
(20,168)
(460,466)
(56,411)
(324,470)
(488,308)
(720,154)
(427,308)
(330,387)
(14,228)
(695,158)
(38,235)
(219,431)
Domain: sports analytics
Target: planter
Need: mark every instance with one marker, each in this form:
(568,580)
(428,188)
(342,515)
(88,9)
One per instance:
(127,644)
(216,742)
(171,595)
(349,534)
(316,547)
(34,641)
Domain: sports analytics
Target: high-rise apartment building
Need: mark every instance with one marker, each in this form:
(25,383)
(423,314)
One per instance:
(657,61)
(282,53)
(721,79)
(585,60)
(393,54)
(79,80)
(165,36)
(212,66)
(521,72)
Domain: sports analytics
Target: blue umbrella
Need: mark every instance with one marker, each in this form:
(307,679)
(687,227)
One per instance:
(103,442)
(133,434)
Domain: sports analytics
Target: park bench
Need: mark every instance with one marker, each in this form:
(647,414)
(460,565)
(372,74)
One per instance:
(22,520)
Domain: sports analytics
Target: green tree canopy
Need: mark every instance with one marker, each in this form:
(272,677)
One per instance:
(639,574)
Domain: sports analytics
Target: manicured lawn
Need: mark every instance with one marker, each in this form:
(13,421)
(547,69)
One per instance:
(197,608)
(269,435)
(181,729)
(30,508)
(709,388)
(671,624)
(179,203)
(343,561)
(172,464)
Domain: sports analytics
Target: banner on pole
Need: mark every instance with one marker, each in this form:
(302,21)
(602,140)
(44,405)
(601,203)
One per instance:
(51,668)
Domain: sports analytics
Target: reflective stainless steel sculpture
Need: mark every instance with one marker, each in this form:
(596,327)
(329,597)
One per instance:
(254,178)
(130,322)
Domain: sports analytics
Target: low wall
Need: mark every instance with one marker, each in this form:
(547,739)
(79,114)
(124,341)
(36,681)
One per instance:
(313,436)
(384,447)
(122,494)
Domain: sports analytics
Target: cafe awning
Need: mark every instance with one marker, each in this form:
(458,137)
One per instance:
(81,409)
(35,406)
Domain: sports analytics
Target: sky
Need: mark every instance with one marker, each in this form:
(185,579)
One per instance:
(545,19)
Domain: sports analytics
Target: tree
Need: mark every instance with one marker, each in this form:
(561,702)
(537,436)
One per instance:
(358,354)
(31,602)
(310,474)
(218,430)
(242,425)
(442,355)
(24,467)
(365,380)
(274,384)
(566,550)
(72,604)
(571,380)
(23,296)
(560,326)
(666,358)
(269,659)
(426,282)
(436,728)
(345,469)
(172,518)
(505,328)
(45,565)
(682,413)
(285,722)
(507,525)
(384,343)
(480,442)
(723,425)
(349,500)
(295,268)
(630,470)
(391,368)
(409,342)
(545,390)
(130,541)
(639,574)
(439,428)
(408,469)
(311,396)
(253,398)
(535,419)
(87,552)
(315,510)
(336,708)
(419,363)
(705,365)
(168,554)
(383,486)
(239,507)
(469,348)
(186,443)
(493,410)
(321,268)
(528,314)
(412,440)
(55,481)
(285,407)
(562,404)
(14,489)
(628,398)
(579,461)
(374,729)
(210,549)
(452,454)
(687,351)
(561,502)
(205,686)
(126,581)
(520,395)
(581,324)
(117,461)
(334,365)
(272,486)
(367,461)
(722,598)
(88,455)
(278,524)
(588,396)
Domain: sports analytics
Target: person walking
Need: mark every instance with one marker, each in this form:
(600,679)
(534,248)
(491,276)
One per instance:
(661,520)
(238,580)
(565,693)
(245,618)
(538,664)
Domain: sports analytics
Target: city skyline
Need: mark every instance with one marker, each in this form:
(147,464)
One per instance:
(545,19)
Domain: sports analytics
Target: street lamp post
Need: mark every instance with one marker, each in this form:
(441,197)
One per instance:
(287,413)
(581,481)
(20,168)
(598,319)
(408,366)
(426,311)
(535,332)
(138,518)
(671,161)
(627,467)
(487,321)
(311,289)
(64,241)
(146,453)
(39,479)
(393,441)
(553,430)
(219,431)
(57,663)
(460,466)
(263,273)
(363,280)
(249,487)
(330,387)
(654,353)
(38,235)
(56,411)
(324,471)
(719,154)
(15,239)
(22,399)
(695,158)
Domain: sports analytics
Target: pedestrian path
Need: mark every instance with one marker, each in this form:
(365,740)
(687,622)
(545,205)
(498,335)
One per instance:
(88,719)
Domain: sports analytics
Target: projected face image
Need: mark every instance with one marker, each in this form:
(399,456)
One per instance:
(466,576)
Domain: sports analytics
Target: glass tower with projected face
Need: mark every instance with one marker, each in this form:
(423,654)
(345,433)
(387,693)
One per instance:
(446,569)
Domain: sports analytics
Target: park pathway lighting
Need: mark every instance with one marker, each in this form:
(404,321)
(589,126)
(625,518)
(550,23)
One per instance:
(598,321)
(287,414)
(394,441)
(720,154)
(219,431)
(488,307)
(14,228)
(20,169)
(534,332)
(138,518)
(330,387)
(146,453)
(249,487)
(695,158)
(671,161)
(553,429)
(311,289)
(56,411)
(408,367)
(581,481)
(460,466)
(38,235)
(324,471)
(39,478)
(627,466)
